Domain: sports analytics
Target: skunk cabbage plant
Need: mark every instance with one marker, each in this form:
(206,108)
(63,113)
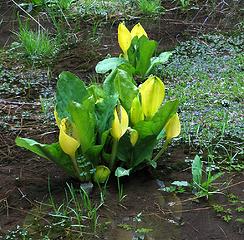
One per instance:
(111,127)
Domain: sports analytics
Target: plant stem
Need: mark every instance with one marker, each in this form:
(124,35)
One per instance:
(77,171)
(113,154)
(162,150)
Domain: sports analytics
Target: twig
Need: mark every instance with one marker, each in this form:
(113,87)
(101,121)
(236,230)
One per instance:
(28,15)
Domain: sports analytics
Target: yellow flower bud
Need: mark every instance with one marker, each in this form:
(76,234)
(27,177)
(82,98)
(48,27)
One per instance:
(124,37)
(138,31)
(172,128)
(102,173)
(152,95)
(68,143)
(136,113)
(133,136)
(120,122)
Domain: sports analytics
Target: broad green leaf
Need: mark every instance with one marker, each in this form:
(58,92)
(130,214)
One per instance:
(132,51)
(52,152)
(120,172)
(93,153)
(84,118)
(104,113)
(155,125)
(143,150)
(197,171)
(125,149)
(146,49)
(161,59)
(69,89)
(122,84)
(109,64)
(141,153)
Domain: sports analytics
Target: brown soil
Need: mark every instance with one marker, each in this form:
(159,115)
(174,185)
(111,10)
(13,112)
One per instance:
(24,177)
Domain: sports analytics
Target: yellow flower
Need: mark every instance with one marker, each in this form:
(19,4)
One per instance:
(125,36)
(133,136)
(67,141)
(172,128)
(136,113)
(120,122)
(152,95)
(102,173)
(138,31)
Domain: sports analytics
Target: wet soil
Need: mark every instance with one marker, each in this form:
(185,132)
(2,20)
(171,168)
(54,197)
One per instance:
(24,177)
(167,215)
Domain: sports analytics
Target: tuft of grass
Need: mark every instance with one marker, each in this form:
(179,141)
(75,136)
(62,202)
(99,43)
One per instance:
(37,45)
(75,218)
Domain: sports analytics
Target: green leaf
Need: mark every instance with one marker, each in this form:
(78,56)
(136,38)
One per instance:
(93,153)
(197,171)
(96,91)
(122,84)
(52,152)
(146,49)
(109,64)
(84,118)
(125,149)
(155,125)
(141,153)
(161,59)
(215,177)
(69,89)
(143,150)
(120,172)
(180,183)
(104,113)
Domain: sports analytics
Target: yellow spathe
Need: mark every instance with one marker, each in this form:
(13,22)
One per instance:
(120,122)
(138,31)
(125,36)
(68,144)
(152,95)
(173,127)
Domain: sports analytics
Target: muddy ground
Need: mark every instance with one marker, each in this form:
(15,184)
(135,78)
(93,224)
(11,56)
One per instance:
(24,177)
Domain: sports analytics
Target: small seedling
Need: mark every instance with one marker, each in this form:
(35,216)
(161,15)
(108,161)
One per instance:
(202,188)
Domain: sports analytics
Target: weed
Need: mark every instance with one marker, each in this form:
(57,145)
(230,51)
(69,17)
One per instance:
(227,218)
(38,46)
(121,194)
(184,4)
(202,187)
(75,218)
(240,209)
(218,208)
(149,6)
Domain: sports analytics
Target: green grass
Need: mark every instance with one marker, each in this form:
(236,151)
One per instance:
(75,218)
(149,6)
(37,45)
(206,75)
